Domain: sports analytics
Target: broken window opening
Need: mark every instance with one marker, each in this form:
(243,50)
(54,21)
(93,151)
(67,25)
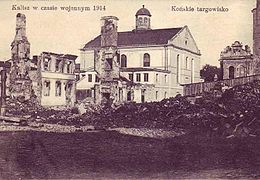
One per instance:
(46,89)
(68,88)
(46,64)
(57,65)
(108,64)
(58,88)
(69,67)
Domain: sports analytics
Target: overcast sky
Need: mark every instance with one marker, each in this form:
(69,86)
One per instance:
(66,32)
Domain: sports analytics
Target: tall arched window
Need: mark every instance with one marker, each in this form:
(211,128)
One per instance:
(123,60)
(146,60)
(186,63)
(231,72)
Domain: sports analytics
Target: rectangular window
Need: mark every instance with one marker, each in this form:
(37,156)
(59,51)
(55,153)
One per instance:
(146,77)
(156,95)
(165,78)
(157,77)
(46,90)
(89,77)
(96,79)
(131,77)
(138,77)
(58,88)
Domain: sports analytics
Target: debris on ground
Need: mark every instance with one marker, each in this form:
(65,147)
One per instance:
(233,113)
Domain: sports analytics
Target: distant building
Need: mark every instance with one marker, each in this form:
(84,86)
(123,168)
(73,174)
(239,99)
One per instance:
(236,61)
(149,64)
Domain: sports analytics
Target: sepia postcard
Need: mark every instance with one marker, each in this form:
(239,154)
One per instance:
(148,89)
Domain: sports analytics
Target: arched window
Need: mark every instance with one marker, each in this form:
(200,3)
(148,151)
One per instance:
(123,60)
(186,63)
(140,20)
(146,60)
(192,70)
(231,72)
(145,20)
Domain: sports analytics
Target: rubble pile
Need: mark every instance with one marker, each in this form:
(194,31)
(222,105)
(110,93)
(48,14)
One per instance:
(235,113)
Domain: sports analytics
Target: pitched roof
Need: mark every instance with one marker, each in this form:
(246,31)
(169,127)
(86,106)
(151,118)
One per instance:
(134,38)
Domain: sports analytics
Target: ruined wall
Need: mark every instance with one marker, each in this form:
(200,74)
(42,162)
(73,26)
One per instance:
(20,83)
(57,79)
(106,63)
(236,61)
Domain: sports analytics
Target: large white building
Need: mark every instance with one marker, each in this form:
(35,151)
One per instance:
(156,61)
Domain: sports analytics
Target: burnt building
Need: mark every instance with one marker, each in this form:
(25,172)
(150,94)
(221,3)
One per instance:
(54,79)
(50,76)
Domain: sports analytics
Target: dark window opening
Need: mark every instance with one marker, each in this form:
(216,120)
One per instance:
(96,78)
(129,96)
(138,77)
(146,77)
(89,77)
(57,65)
(123,60)
(231,72)
(146,60)
(131,77)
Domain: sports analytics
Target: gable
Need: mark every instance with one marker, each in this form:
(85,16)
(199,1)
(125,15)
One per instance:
(184,40)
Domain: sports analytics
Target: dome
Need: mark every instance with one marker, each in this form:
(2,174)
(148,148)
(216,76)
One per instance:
(143,11)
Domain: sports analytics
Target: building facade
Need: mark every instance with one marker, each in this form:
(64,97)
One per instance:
(151,64)
(237,61)
(54,79)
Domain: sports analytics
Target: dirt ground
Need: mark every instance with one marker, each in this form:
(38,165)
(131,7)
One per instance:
(110,155)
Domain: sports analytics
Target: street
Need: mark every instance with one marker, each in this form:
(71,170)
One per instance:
(112,155)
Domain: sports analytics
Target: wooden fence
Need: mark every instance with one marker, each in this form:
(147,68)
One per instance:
(199,88)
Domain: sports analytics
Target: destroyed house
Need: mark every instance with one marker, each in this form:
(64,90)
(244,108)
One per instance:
(54,79)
